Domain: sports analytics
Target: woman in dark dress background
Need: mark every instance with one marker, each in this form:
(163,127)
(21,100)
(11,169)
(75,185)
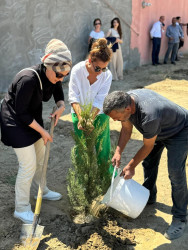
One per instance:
(22,124)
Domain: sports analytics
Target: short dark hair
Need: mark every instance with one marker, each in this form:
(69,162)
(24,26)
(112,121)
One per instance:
(117,100)
(178,17)
(97,19)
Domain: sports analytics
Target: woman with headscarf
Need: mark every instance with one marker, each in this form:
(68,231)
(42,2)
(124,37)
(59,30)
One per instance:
(22,123)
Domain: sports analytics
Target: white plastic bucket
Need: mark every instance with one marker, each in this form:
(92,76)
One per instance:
(126,196)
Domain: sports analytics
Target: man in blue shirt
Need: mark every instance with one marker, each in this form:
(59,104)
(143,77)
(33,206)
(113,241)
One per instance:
(174,34)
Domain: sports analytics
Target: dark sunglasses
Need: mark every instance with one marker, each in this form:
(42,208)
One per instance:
(97,23)
(98,69)
(59,75)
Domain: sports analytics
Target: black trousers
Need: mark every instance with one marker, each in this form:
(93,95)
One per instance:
(177,149)
(156,50)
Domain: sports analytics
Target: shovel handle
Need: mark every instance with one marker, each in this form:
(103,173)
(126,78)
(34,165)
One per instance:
(44,169)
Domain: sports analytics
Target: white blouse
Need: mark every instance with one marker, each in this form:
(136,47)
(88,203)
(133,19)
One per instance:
(80,90)
(113,33)
(96,35)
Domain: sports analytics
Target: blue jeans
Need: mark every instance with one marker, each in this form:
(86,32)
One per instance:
(156,49)
(177,149)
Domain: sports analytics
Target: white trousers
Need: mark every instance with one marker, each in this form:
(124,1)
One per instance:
(30,160)
(116,64)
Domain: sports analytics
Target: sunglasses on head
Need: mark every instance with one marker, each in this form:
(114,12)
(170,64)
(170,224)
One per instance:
(59,75)
(98,69)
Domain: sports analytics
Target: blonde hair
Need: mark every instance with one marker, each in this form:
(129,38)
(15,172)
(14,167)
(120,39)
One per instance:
(100,50)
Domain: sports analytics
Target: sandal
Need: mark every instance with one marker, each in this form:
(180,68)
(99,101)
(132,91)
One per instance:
(176,229)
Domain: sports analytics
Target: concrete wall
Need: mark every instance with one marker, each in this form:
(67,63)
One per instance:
(142,21)
(26,27)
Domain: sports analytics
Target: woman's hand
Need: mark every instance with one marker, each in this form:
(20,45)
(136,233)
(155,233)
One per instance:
(58,112)
(85,126)
(79,124)
(119,40)
(46,136)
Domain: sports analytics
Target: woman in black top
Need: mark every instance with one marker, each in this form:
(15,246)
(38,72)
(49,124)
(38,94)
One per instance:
(22,124)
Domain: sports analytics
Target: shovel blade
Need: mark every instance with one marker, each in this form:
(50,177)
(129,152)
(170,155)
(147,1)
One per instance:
(29,242)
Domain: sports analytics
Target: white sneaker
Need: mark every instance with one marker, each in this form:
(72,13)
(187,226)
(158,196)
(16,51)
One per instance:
(26,217)
(51,196)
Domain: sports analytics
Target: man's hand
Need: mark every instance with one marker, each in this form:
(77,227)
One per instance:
(124,137)
(116,160)
(171,38)
(128,172)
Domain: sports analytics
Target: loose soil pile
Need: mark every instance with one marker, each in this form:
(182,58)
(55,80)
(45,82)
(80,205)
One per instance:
(112,230)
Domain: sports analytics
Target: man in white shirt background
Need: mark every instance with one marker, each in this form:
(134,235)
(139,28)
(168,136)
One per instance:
(156,34)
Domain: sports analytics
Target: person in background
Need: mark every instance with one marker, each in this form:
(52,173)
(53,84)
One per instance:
(163,124)
(178,22)
(116,63)
(90,82)
(156,35)
(174,34)
(22,123)
(96,33)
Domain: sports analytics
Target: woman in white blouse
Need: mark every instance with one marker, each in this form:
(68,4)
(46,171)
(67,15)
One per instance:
(90,82)
(96,33)
(116,64)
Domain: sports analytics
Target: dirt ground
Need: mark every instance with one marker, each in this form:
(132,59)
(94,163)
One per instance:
(113,230)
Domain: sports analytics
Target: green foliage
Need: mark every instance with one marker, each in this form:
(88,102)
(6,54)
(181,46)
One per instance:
(87,179)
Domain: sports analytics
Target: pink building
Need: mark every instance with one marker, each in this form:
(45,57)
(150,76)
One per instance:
(143,19)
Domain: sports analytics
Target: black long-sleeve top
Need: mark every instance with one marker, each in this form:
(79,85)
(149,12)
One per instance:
(23,103)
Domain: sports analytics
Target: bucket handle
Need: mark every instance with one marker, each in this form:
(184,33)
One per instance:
(112,181)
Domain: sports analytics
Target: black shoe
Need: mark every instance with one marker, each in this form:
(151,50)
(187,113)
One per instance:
(173,63)
(165,62)
(177,59)
(158,63)
(153,64)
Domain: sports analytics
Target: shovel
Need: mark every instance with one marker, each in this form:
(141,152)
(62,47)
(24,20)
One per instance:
(32,233)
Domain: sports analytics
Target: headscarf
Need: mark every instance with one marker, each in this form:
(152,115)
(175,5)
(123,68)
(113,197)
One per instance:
(57,56)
